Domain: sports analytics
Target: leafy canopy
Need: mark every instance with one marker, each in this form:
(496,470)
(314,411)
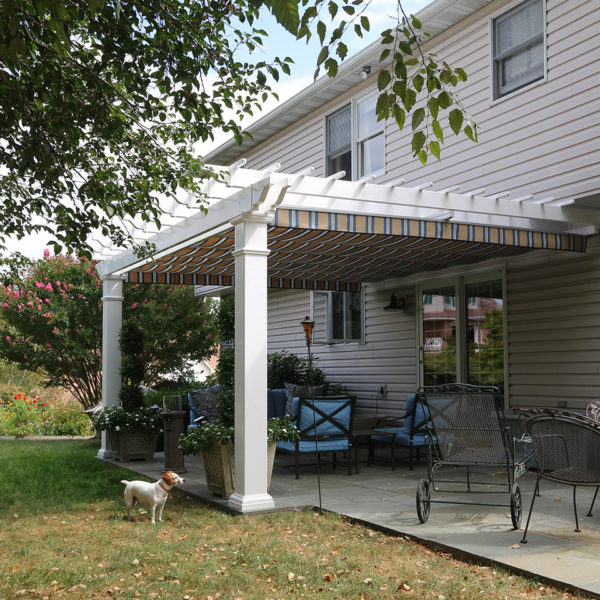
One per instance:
(103,101)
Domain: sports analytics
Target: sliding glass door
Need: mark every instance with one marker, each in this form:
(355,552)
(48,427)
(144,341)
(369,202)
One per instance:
(462,331)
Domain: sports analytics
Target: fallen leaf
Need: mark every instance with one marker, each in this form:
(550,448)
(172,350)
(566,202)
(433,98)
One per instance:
(515,547)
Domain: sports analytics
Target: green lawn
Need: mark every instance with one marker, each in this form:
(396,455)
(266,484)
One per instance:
(63,536)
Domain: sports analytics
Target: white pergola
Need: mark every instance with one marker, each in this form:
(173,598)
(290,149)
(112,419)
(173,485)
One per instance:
(265,228)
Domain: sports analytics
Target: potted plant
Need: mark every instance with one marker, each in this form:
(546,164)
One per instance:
(215,443)
(132,428)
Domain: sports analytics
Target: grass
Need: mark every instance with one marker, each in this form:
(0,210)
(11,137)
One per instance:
(63,536)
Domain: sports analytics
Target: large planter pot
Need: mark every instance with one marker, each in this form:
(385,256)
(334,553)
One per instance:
(218,468)
(219,464)
(136,444)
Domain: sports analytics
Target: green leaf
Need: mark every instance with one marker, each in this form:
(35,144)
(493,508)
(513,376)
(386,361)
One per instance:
(471,132)
(331,65)
(382,105)
(333,9)
(444,99)
(417,117)
(437,129)
(364,21)
(323,55)
(286,14)
(456,118)
(399,115)
(383,79)
(423,157)
(411,62)
(95,5)
(418,141)
(433,106)
(321,31)
(434,148)
(405,47)
(418,82)
(461,74)
(384,54)
(410,99)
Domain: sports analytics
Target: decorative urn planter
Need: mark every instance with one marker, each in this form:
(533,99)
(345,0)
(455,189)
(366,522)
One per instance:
(135,444)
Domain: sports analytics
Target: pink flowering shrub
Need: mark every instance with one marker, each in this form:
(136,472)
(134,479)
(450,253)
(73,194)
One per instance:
(63,342)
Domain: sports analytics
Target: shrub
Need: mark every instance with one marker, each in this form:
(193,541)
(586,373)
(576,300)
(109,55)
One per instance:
(24,414)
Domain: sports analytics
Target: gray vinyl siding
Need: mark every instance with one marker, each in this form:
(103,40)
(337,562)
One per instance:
(553,306)
(541,140)
(387,357)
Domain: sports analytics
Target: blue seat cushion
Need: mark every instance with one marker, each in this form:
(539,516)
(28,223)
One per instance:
(307,446)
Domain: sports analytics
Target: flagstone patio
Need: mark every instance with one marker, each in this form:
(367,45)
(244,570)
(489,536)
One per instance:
(385,499)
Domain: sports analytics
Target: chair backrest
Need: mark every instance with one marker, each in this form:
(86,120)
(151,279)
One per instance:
(205,403)
(332,417)
(467,422)
(416,415)
(593,410)
(567,445)
(276,401)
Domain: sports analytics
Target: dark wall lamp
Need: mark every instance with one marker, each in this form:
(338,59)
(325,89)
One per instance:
(396,303)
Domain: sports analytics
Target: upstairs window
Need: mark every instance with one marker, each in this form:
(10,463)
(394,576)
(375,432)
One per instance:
(339,142)
(355,140)
(518,47)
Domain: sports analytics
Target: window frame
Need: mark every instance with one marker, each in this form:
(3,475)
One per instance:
(495,94)
(355,142)
(329,339)
(460,282)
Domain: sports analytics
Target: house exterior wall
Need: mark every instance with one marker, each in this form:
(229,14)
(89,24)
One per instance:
(547,147)
(553,308)
(543,140)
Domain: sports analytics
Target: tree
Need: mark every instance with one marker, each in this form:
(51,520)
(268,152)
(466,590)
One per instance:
(103,100)
(52,325)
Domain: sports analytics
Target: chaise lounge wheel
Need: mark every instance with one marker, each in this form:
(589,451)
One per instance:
(516,506)
(423,500)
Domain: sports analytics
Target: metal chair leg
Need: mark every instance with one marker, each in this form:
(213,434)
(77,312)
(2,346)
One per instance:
(575,508)
(537,487)
(593,501)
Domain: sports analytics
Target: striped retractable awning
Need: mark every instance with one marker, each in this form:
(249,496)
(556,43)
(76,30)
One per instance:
(320,250)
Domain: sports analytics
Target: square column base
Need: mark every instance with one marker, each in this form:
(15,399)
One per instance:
(246,504)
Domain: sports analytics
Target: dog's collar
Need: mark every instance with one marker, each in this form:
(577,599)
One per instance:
(163,487)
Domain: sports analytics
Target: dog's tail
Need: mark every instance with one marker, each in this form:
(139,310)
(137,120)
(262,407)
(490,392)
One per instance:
(125,482)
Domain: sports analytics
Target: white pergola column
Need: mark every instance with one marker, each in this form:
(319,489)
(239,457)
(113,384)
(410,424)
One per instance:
(251,364)
(112,318)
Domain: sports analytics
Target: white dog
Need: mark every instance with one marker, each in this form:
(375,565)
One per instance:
(155,494)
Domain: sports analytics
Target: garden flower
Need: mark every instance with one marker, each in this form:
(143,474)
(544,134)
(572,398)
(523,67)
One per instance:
(39,284)
(46,253)
(49,287)
(5,305)
(134,305)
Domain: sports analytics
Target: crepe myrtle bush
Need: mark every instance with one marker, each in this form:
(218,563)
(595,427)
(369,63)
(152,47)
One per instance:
(51,324)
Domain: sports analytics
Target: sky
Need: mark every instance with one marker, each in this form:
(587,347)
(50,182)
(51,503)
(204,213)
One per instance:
(278,43)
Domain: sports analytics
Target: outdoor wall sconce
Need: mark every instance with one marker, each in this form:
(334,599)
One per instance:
(396,303)
(365,71)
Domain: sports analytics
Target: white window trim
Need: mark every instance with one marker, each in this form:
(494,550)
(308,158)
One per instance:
(492,83)
(459,282)
(329,323)
(354,135)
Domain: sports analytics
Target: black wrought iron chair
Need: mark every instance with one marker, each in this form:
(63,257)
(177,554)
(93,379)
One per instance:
(567,447)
